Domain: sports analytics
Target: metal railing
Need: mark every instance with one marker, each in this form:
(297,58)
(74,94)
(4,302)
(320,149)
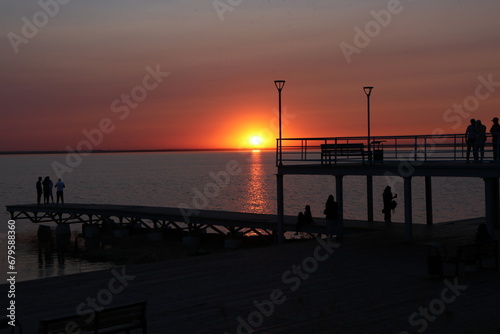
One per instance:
(422,148)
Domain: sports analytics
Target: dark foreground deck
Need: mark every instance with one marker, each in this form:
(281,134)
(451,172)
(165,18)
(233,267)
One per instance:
(372,283)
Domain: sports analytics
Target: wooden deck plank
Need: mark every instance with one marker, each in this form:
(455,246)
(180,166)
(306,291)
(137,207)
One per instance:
(371,284)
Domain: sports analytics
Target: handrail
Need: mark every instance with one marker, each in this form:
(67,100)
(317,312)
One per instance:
(422,148)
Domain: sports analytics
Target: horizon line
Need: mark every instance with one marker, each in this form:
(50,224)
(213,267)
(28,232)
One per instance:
(133,150)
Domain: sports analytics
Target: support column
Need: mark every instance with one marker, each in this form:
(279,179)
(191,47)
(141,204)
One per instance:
(339,188)
(428,200)
(281,218)
(491,203)
(408,210)
(369,196)
(496,204)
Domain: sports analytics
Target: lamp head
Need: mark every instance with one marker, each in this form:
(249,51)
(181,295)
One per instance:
(368,90)
(279,84)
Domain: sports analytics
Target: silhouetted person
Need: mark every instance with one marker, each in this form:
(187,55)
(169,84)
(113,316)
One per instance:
(47,190)
(480,140)
(388,206)
(495,134)
(482,233)
(60,191)
(308,215)
(39,190)
(470,136)
(300,222)
(304,219)
(333,225)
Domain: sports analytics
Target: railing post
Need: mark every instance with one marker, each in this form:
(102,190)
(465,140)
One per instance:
(425,148)
(277,155)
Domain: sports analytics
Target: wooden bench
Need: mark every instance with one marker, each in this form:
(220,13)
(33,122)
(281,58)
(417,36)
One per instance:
(334,150)
(118,319)
(474,253)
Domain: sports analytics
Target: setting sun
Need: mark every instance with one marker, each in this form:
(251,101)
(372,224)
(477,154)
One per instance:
(256,141)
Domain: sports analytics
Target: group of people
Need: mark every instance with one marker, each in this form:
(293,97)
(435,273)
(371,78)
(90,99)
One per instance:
(334,225)
(44,187)
(476,139)
(331,212)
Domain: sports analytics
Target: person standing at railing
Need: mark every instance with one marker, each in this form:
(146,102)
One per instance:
(470,136)
(333,223)
(480,140)
(388,199)
(495,134)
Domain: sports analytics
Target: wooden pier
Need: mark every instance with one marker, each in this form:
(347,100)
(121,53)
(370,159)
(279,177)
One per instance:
(392,157)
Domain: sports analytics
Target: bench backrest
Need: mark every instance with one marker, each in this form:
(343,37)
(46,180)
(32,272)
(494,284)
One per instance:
(481,249)
(487,248)
(107,318)
(70,324)
(333,147)
(126,314)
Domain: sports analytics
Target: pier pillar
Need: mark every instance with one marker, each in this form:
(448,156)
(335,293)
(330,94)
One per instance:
(281,218)
(491,201)
(428,200)
(369,196)
(339,187)
(408,210)
(496,204)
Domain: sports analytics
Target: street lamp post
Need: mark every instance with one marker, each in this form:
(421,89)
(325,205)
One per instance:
(279,85)
(368,91)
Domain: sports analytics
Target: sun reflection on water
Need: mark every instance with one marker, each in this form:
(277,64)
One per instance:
(256,187)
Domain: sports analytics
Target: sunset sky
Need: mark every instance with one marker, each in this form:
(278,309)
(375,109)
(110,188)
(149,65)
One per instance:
(199,74)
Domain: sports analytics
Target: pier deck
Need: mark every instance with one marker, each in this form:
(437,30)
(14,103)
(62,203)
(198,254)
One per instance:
(372,283)
(168,217)
(400,158)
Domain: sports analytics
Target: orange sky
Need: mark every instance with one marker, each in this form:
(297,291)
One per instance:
(422,57)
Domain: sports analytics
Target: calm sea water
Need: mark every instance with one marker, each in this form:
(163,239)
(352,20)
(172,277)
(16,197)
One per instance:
(174,178)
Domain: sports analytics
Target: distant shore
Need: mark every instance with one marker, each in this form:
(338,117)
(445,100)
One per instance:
(139,151)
